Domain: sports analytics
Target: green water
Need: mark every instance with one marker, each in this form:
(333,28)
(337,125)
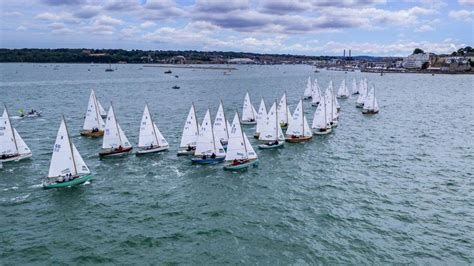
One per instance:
(396,187)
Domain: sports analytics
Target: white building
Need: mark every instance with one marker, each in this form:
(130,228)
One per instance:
(415,60)
(240,61)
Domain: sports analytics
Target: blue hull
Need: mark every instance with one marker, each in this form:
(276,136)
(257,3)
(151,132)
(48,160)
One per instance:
(208,160)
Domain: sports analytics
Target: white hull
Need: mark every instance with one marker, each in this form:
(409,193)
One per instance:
(248,122)
(317,132)
(17,158)
(185,152)
(158,149)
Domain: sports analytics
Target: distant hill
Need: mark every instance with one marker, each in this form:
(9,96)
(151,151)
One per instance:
(151,56)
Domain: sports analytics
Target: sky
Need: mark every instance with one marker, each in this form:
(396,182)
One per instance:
(303,27)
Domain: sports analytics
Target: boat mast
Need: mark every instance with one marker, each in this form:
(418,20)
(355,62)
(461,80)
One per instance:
(373,104)
(212,130)
(242,134)
(96,110)
(302,120)
(152,124)
(286,109)
(116,124)
(225,121)
(195,118)
(70,146)
(11,128)
(276,122)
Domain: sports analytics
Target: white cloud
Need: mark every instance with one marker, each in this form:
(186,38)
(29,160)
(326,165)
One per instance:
(424,28)
(460,14)
(21,28)
(148,24)
(105,20)
(466,2)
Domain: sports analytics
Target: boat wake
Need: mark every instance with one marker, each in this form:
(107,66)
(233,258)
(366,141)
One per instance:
(36,186)
(10,188)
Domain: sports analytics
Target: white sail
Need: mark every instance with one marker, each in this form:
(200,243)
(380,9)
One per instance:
(307,92)
(220,125)
(8,144)
(161,140)
(320,118)
(248,111)
(65,159)
(113,135)
(149,133)
(362,93)
(282,110)
(261,115)
(236,146)
(21,145)
(206,143)
(239,147)
(251,154)
(101,108)
(354,86)
(93,117)
(370,102)
(343,90)
(190,130)
(271,129)
(298,125)
(331,113)
(123,138)
(316,93)
(81,166)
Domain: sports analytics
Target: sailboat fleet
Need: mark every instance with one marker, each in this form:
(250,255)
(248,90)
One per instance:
(210,142)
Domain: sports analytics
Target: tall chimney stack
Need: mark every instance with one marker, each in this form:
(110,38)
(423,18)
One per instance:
(349,52)
(344,54)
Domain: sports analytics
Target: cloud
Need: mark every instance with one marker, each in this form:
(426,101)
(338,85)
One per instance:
(122,5)
(460,14)
(62,2)
(11,14)
(148,24)
(87,12)
(466,2)
(424,28)
(105,20)
(21,28)
(221,6)
(61,16)
(285,6)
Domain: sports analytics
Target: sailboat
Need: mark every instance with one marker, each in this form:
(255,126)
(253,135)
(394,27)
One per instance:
(316,93)
(343,91)
(93,123)
(239,152)
(362,94)
(298,128)
(355,90)
(331,90)
(248,112)
(115,142)
(110,69)
(283,112)
(321,125)
(221,126)
(67,168)
(209,149)
(370,103)
(332,114)
(12,146)
(261,114)
(271,130)
(190,134)
(102,111)
(308,91)
(150,138)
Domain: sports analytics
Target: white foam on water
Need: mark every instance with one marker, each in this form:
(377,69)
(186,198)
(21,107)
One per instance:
(10,188)
(36,185)
(20,198)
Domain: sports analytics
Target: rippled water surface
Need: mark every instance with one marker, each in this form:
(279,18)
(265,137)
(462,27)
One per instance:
(394,187)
